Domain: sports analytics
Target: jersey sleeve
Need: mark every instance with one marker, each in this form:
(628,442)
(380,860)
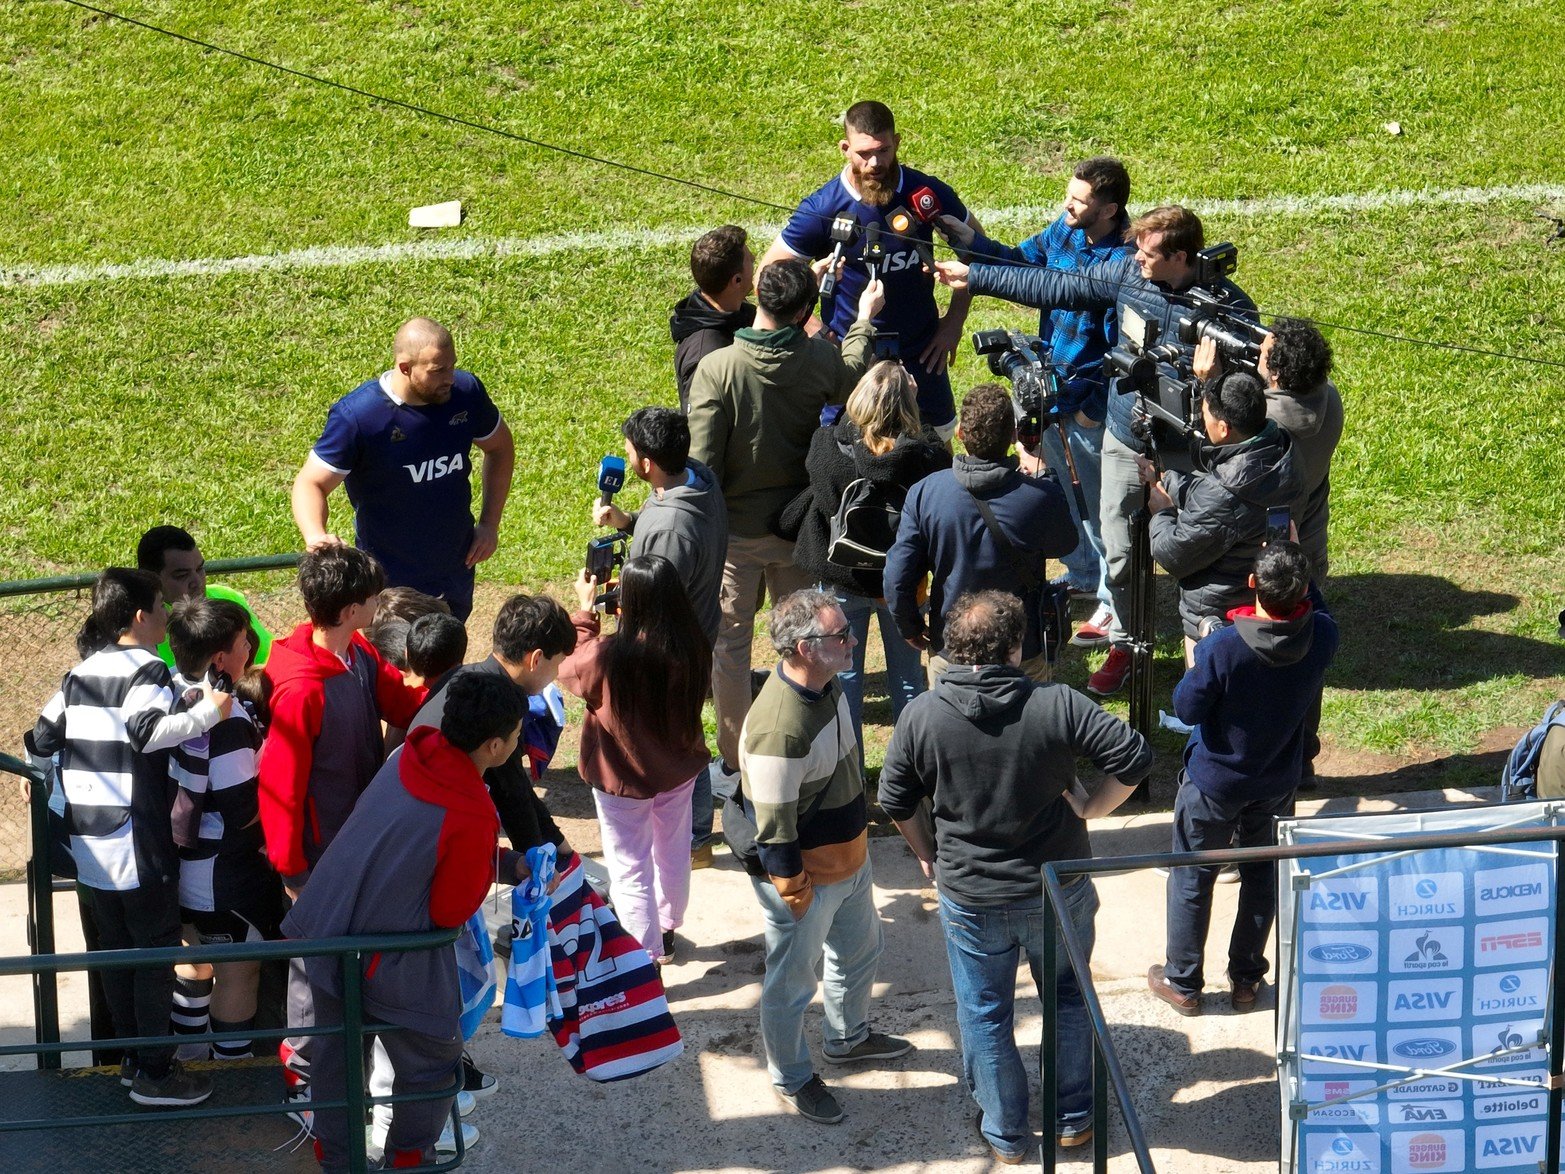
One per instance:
(338,446)
(485,416)
(808,231)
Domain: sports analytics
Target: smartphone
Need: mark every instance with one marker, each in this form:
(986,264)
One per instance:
(1279,524)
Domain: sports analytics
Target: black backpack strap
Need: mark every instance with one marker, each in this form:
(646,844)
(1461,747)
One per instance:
(1028,575)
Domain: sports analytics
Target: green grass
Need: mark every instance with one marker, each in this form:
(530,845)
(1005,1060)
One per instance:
(196,398)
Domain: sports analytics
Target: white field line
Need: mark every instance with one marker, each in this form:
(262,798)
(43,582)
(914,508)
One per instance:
(469,248)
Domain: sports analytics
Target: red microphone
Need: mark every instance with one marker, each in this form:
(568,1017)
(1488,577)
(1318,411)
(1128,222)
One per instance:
(925,204)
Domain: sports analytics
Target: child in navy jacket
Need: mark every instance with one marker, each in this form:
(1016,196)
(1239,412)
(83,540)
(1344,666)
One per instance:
(1248,696)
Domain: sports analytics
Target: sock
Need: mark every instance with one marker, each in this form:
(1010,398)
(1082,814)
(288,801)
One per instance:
(238,1049)
(192,997)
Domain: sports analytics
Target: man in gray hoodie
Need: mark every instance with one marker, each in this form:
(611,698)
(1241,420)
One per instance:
(995,754)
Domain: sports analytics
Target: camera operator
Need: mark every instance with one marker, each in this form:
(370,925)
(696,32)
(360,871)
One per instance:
(1164,266)
(1296,365)
(1091,230)
(1207,528)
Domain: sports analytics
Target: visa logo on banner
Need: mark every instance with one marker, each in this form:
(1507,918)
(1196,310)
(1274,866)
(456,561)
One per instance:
(1342,951)
(1329,1045)
(1500,891)
(1424,999)
(1511,943)
(1338,1002)
(1343,899)
(1433,897)
(1342,1153)
(1510,992)
(1508,1146)
(1423,951)
(1429,1150)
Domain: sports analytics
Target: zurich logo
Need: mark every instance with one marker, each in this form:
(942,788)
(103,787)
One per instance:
(1511,983)
(1341,1145)
(1426,888)
(1340,952)
(1427,1047)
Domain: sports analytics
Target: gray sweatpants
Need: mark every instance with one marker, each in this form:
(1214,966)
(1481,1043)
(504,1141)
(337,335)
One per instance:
(419,1063)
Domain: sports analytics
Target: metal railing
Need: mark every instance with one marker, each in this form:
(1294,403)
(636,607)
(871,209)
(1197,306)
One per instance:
(1108,1071)
(44,966)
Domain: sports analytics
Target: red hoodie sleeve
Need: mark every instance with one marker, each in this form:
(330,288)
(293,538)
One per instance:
(287,757)
(464,869)
(397,701)
(581,673)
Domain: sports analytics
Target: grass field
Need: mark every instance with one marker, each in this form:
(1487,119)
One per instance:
(195,398)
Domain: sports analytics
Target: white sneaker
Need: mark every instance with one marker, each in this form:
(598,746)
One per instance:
(465,1103)
(447,1142)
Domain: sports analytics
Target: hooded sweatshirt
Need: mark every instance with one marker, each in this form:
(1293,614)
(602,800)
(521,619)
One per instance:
(699,328)
(1210,543)
(324,744)
(1248,695)
(837,458)
(688,525)
(418,854)
(943,535)
(995,753)
(755,405)
(1314,421)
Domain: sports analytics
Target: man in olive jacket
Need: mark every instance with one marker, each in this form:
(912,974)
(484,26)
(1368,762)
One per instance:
(754,407)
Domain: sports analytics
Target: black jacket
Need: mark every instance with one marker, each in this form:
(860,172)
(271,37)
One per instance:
(1210,543)
(995,753)
(808,516)
(698,328)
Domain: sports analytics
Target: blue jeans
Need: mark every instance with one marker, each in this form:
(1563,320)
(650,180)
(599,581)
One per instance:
(701,807)
(841,924)
(1085,566)
(1203,822)
(982,944)
(904,663)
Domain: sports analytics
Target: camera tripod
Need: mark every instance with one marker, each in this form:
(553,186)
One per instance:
(1142,631)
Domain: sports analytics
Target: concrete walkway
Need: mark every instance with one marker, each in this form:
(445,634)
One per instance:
(1204,1087)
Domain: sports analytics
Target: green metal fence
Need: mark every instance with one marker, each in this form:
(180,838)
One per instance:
(44,966)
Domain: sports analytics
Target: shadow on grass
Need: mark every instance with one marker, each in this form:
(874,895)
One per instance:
(1412,632)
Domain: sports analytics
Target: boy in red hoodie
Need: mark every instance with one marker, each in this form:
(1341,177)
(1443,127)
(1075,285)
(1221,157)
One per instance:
(330,692)
(419,853)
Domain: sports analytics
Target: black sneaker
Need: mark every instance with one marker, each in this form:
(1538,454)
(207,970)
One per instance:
(127,1073)
(667,956)
(814,1102)
(475,1083)
(874,1046)
(178,1088)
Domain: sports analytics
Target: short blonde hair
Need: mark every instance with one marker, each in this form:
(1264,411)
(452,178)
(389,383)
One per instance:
(883,404)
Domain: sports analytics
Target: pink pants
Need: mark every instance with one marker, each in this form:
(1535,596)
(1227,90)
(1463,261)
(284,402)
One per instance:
(646,846)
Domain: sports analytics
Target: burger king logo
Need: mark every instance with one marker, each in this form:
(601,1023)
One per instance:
(1338,1002)
(1426,1151)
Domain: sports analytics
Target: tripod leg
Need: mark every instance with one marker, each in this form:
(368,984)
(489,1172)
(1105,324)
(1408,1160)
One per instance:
(1142,634)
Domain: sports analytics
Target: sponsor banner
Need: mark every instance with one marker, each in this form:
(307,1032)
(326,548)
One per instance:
(1326,952)
(1419,963)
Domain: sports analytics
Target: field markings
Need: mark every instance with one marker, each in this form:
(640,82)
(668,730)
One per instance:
(471,248)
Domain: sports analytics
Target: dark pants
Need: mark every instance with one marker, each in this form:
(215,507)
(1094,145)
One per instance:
(1204,823)
(419,1063)
(140,1001)
(100,1018)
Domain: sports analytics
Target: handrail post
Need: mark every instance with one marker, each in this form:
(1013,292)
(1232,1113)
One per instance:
(1556,1024)
(40,914)
(1100,1111)
(1049,1047)
(353,1066)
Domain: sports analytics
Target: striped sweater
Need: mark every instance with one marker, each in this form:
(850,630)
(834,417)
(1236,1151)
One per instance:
(800,782)
(111,723)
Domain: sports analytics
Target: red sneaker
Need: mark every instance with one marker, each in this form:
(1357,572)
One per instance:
(1094,632)
(1112,676)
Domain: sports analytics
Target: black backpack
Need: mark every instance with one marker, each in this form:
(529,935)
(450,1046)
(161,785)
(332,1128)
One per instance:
(865,524)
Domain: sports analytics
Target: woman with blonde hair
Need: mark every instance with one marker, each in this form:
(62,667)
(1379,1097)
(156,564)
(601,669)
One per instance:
(879,439)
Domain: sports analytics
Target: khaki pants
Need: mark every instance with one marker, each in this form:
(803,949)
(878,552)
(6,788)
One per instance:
(1036,667)
(750,561)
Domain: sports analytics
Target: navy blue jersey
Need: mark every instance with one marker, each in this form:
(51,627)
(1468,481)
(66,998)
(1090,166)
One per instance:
(407,470)
(910,310)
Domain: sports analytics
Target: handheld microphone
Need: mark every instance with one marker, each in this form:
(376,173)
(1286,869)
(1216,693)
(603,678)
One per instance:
(843,231)
(901,222)
(874,251)
(925,204)
(611,478)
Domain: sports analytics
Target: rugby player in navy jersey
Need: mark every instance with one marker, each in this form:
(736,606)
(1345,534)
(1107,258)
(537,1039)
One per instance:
(402,444)
(871,186)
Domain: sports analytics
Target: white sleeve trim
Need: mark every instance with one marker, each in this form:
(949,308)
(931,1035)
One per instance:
(327,465)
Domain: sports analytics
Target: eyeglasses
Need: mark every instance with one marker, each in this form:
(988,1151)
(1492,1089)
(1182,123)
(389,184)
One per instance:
(838,635)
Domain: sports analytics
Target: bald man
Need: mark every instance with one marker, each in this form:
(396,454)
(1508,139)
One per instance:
(402,444)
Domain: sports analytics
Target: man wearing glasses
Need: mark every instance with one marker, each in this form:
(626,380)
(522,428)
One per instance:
(801,786)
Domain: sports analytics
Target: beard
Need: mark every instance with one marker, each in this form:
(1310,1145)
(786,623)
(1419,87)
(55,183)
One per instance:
(877,190)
